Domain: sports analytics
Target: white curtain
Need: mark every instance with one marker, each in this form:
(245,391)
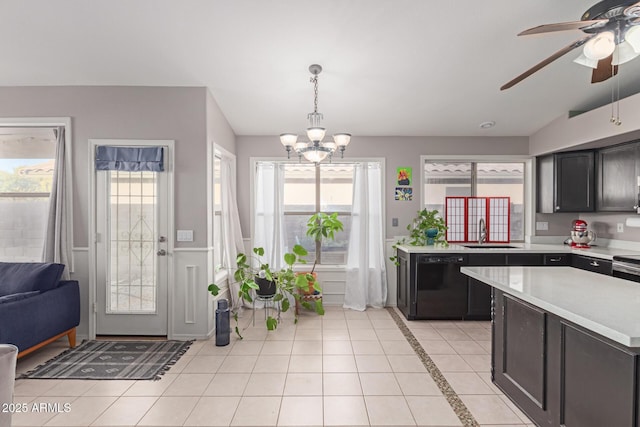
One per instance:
(268,224)
(230,219)
(366,277)
(57,241)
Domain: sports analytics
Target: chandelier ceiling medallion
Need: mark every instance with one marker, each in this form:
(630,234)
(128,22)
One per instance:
(315,150)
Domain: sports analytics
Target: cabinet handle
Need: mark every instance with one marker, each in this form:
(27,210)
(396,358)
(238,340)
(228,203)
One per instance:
(594,264)
(555,259)
(557,208)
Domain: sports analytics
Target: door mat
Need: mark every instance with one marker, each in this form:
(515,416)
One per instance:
(113,360)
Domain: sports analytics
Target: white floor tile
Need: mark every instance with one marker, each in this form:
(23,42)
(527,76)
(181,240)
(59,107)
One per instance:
(303,384)
(213,411)
(267,364)
(341,384)
(490,409)
(227,385)
(345,411)
(126,411)
(82,412)
(432,411)
(265,385)
(379,384)
(338,363)
(257,411)
(169,411)
(389,411)
(337,347)
(301,411)
(189,385)
(416,384)
(305,363)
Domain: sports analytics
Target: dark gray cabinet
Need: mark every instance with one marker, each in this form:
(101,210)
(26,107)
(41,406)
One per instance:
(588,263)
(617,181)
(561,374)
(566,182)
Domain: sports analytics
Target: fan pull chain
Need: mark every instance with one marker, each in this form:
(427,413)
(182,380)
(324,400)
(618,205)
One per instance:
(615,98)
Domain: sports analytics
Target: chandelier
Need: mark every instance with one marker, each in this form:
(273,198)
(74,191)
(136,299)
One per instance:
(315,150)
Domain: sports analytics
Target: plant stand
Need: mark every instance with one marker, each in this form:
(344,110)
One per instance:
(307,297)
(269,304)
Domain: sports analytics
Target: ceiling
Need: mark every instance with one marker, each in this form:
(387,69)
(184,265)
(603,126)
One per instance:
(391,67)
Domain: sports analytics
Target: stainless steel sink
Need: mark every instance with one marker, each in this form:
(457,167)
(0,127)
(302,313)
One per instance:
(488,246)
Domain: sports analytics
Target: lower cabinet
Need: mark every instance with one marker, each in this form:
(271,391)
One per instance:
(560,374)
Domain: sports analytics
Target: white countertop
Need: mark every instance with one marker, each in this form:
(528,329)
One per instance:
(602,252)
(606,305)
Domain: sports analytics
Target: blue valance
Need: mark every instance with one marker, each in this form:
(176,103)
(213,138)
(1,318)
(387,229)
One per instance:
(132,159)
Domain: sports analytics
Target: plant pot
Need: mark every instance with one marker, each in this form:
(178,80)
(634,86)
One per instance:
(310,290)
(267,287)
(431,234)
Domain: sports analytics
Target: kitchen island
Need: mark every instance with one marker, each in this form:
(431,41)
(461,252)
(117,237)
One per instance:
(565,344)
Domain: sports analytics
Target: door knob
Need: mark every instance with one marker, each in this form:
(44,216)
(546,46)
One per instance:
(162,252)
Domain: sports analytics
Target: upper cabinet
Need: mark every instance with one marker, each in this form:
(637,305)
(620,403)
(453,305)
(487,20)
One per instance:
(566,182)
(618,171)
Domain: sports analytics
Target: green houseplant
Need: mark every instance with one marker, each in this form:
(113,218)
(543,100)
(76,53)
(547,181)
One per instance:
(249,271)
(426,228)
(323,226)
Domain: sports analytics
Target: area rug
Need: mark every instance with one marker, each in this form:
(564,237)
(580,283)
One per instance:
(113,360)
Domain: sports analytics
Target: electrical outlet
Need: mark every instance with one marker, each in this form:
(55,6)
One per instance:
(394,222)
(542,226)
(620,227)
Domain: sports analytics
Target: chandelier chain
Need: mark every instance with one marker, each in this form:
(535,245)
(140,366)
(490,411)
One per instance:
(314,80)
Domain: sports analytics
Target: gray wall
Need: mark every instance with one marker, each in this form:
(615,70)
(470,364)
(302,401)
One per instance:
(182,114)
(398,151)
(218,129)
(589,130)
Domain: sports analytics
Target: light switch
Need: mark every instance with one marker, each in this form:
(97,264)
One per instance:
(185,235)
(394,222)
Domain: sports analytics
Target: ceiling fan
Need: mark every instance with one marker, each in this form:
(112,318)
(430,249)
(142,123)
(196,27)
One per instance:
(612,29)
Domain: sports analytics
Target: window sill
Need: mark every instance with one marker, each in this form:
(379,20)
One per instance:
(220,276)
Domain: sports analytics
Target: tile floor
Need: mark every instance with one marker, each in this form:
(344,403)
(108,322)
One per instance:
(344,369)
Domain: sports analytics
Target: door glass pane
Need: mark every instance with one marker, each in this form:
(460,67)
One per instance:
(507,180)
(131,281)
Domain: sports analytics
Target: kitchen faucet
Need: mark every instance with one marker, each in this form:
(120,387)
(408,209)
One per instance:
(482,231)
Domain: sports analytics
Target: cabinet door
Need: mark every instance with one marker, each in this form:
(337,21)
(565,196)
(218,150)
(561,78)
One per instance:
(545,184)
(574,182)
(525,259)
(617,178)
(478,300)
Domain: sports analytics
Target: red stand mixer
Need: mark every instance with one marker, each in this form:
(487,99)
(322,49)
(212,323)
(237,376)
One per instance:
(580,236)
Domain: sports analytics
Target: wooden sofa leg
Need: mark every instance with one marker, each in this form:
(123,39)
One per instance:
(72,337)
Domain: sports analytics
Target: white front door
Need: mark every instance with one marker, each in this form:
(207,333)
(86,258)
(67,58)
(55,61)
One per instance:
(131,252)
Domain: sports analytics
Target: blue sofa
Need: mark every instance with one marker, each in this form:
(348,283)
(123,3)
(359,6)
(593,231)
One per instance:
(36,307)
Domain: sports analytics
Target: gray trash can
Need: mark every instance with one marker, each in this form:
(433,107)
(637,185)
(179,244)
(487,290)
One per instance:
(8,356)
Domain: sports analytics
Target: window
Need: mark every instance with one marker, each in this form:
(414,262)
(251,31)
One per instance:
(485,179)
(309,189)
(218,246)
(27,163)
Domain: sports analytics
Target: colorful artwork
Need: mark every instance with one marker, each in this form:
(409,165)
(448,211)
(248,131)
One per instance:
(404,194)
(404,176)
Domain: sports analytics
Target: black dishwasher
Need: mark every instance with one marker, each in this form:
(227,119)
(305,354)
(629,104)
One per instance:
(440,288)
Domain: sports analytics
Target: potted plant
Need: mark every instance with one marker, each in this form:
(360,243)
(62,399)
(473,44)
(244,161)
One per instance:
(321,226)
(428,228)
(251,271)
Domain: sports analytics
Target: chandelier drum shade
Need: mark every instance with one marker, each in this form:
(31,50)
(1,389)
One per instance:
(315,150)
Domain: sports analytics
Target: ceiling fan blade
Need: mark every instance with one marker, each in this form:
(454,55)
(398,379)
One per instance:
(604,70)
(633,10)
(547,61)
(564,26)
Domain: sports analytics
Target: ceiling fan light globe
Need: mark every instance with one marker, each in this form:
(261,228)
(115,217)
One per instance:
(632,36)
(601,46)
(624,53)
(583,60)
